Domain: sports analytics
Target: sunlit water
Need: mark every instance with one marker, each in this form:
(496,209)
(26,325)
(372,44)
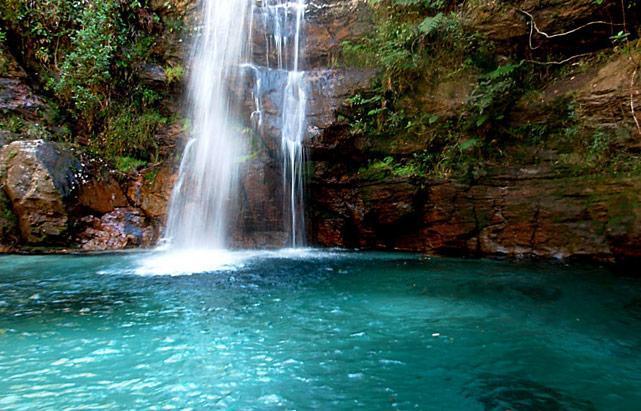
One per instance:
(311,330)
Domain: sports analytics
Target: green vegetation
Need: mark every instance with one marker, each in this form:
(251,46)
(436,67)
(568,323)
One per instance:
(88,56)
(418,45)
(128,164)
(130,134)
(386,167)
(174,73)
(425,56)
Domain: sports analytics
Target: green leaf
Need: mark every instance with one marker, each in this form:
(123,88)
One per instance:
(468,144)
(430,24)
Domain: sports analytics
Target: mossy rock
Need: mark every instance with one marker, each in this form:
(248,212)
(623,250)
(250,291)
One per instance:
(8,222)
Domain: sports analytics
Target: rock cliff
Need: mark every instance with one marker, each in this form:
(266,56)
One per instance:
(527,198)
(530,204)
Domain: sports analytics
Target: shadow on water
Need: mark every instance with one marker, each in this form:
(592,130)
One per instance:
(507,392)
(633,308)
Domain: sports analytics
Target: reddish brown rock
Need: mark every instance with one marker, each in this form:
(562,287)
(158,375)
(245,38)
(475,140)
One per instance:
(605,97)
(39,177)
(330,23)
(102,195)
(505,24)
(117,230)
(151,192)
(156,193)
(524,214)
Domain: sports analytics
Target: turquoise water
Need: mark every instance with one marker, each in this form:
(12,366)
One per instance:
(318,331)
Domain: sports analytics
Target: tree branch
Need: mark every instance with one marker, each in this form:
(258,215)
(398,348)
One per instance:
(534,27)
(558,63)
(634,116)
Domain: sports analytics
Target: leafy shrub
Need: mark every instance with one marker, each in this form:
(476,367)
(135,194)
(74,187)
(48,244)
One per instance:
(85,74)
(88,54)
(129,134)
(128,164)
(494,95)
(406,41)
(174,73)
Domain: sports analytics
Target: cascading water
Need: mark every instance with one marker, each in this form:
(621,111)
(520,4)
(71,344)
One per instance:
(293,132)
(209,172)
(283,26)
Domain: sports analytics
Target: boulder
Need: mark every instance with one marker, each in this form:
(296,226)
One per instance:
(39,177)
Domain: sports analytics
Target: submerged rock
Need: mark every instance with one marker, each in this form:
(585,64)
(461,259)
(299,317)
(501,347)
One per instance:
(38,177)
(504,392)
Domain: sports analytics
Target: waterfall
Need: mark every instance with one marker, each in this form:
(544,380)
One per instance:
(283,27)
(207,184)
(205,199)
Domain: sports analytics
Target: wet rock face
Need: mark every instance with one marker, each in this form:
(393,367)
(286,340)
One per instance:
(38,177)
(530,212)
(260,215)
(327,24)
(15,94)
(122,228)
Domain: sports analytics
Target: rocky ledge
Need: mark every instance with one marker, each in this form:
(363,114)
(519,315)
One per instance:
(49,197)
(527,212)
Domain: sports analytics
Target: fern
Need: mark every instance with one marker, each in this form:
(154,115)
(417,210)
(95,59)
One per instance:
(431,23)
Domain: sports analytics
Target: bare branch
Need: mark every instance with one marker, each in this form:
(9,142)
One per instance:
(534,27)
(634,116)
(558,63)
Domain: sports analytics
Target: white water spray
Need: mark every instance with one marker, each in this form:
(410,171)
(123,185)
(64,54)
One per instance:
(209,172)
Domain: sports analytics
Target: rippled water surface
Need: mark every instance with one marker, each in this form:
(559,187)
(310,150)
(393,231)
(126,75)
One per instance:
(317,331)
